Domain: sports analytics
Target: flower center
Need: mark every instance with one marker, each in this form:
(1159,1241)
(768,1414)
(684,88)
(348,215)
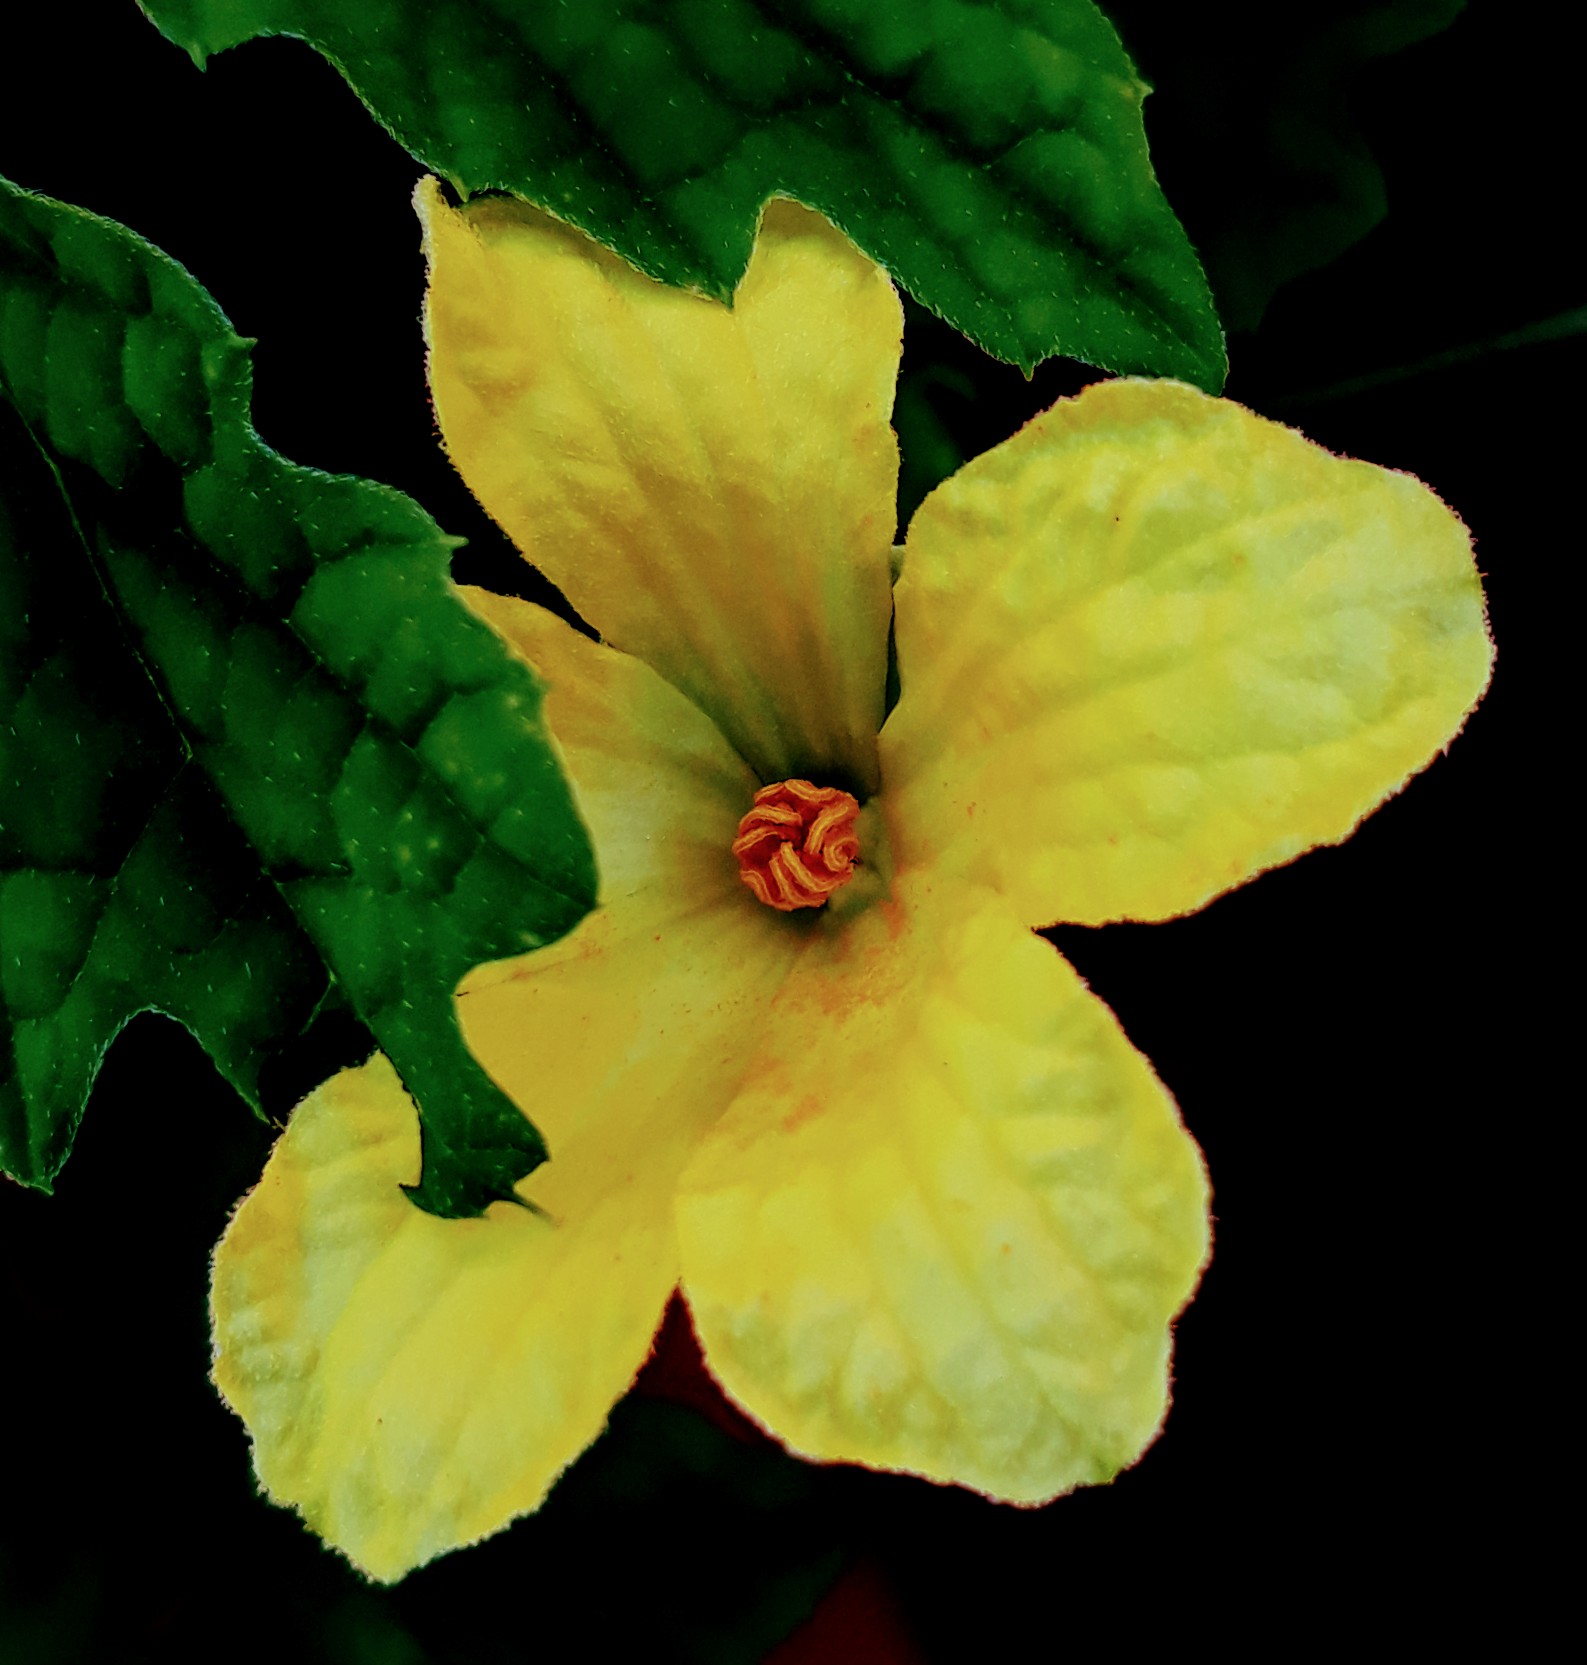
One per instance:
(798,844)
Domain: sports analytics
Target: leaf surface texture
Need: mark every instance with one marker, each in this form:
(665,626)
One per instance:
(991,156)
(252,743)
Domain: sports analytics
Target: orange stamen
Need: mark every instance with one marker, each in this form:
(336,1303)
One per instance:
(798,844)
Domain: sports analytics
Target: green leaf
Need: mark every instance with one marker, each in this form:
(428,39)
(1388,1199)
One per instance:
(250,739)
(122,887)
(990,155)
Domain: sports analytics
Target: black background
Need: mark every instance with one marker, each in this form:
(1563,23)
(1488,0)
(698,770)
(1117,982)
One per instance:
(1360,1042)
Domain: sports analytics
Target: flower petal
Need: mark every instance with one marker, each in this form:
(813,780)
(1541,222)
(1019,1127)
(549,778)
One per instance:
(1154,644)
(947,1221)
(413,1383)
(713,489)
(410,1383)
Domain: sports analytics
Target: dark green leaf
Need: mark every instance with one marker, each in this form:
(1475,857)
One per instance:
(249,734)
(122,886)
(990,155)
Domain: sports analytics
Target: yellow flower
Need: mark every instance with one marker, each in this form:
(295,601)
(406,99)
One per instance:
(929,1209)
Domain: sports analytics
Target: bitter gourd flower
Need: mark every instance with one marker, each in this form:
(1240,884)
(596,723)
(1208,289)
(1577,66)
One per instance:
(807,1060)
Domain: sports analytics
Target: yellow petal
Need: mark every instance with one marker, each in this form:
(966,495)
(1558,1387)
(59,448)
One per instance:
(413,1383)
(946,1223)
(713,489)
(1154,644)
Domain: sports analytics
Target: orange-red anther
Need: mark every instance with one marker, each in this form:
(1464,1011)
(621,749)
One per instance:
(797,844)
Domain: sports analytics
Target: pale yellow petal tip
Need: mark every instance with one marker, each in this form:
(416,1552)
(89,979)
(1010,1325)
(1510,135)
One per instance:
(1444,538)
(1438,546)
(411,1384)
(481,220)
(429,200)
(788,224)
(1096,1455)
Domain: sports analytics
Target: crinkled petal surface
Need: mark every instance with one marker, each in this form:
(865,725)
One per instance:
(945,1225)
(413,1383)
(713,489)
(1154,644)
